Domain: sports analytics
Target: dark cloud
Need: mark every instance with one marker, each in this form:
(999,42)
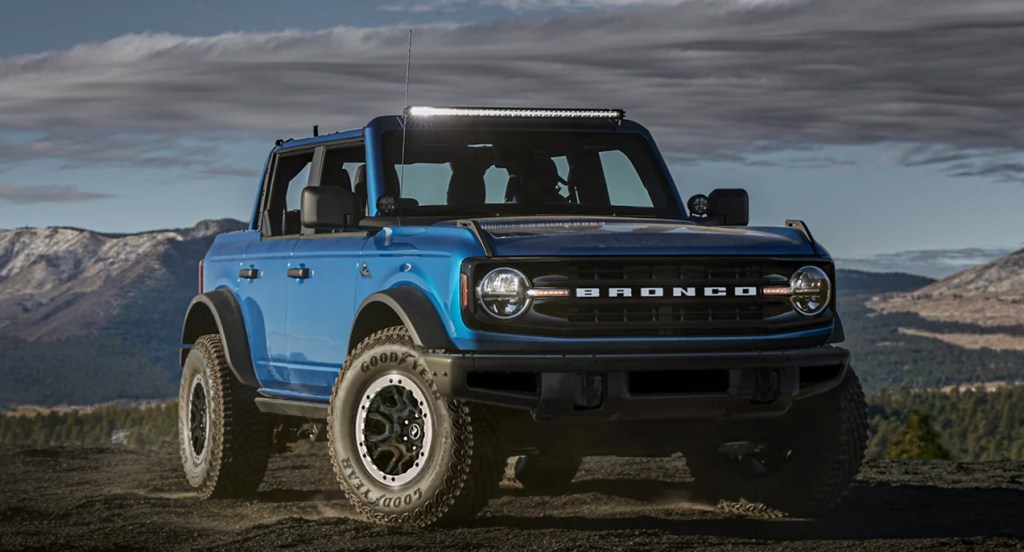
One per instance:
(826,162)
(712,79)
(47,193)
(75,150)
(998,171)
(238,172)
(998,164)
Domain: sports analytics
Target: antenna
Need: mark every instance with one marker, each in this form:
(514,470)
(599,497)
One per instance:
(405,115)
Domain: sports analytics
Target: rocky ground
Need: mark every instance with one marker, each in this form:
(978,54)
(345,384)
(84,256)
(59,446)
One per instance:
(91,499)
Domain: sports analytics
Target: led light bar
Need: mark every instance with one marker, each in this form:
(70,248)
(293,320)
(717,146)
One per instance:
(777,290)
(512,112)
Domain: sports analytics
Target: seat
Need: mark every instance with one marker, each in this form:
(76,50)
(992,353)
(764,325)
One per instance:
(359,186)
(390,183)
(466,187)
(335,175)
(291,222)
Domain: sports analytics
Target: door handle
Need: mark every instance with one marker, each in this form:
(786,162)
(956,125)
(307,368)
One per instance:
(248,273)
(300,273)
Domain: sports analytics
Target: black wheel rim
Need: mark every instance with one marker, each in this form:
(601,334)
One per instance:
(394,430)
(198,423)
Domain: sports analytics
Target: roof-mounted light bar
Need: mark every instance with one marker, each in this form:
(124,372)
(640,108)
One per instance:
(514,112)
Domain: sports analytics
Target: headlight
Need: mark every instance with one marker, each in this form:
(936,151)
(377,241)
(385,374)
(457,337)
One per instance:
(502,293)
(811,290)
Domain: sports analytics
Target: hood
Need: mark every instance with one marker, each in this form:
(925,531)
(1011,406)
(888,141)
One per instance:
(616,236)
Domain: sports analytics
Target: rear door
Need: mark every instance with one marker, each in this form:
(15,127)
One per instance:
(263,274)
(321,306)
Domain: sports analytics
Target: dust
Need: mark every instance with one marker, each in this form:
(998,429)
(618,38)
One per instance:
(164,495)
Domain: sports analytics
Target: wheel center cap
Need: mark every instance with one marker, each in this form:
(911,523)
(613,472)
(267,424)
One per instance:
(415,431)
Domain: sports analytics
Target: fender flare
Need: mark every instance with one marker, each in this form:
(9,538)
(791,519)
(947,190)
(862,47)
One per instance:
(218,312)
(417,313)
(838,333)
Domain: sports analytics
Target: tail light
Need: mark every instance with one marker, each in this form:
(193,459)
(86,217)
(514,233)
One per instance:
(200,276)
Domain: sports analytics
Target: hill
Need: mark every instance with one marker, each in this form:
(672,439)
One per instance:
(858,282)
(989,296)
(91,317)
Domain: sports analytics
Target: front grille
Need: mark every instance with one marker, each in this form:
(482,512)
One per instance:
(687,314)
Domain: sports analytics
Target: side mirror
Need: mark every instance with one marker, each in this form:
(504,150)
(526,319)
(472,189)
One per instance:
(729,205)
(329,207)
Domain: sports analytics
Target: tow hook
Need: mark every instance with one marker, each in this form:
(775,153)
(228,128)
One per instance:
(738,449)
(748,455)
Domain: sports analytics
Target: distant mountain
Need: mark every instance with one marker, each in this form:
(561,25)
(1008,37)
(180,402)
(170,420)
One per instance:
(933,263)
(859,282)
(89,317)
(60,283)
(965,329)
(989,296)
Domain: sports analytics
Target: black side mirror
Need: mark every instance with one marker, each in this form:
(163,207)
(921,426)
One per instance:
(329,207)
(729,205)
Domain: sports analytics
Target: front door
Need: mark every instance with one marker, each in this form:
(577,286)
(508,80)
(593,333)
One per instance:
(321,305)
(321,310)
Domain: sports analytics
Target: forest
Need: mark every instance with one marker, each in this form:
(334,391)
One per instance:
(970,425)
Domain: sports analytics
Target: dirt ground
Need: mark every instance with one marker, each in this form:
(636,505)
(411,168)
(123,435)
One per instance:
(70,499)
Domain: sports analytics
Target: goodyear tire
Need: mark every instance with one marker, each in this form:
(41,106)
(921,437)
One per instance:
(402,452)
(547,472)
(224,441)
(826,436)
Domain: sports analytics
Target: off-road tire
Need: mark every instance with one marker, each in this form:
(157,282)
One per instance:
(463,467)
(547,472)
(238,444)
(829,435)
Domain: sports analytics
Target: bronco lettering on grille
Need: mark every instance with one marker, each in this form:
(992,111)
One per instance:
(625,292)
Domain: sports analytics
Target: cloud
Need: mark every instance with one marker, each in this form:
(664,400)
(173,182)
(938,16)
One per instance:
(567,5)
(712,79)
(995,164)
(47,193)
(1006,171)
(197,157)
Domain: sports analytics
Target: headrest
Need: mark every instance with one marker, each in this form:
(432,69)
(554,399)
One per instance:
(543,169)
(466,186)
(360,179)
(335,175)
(391,180)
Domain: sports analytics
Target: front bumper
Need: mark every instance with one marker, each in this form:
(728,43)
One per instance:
(575,387)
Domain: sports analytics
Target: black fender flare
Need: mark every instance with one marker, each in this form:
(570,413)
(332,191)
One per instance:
(416,312)
(838,333)
(218,312)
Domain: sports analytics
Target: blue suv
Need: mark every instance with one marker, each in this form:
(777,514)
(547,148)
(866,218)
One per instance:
(449,288)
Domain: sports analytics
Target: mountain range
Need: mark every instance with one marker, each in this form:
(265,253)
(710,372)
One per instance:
(61,283)
(932,263)
(87,317)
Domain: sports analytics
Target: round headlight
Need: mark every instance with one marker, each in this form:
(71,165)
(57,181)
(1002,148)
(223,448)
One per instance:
(502,293)
(812,290)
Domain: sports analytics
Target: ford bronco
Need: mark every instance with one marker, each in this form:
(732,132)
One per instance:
(449,288)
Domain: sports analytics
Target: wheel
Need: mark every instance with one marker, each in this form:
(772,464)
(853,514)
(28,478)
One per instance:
(548,472)
(224,441)
(807,466)
(402,452)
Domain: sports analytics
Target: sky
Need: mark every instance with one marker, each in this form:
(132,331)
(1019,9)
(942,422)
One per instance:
(885,125)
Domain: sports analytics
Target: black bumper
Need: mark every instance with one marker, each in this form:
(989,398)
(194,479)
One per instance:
(574,387)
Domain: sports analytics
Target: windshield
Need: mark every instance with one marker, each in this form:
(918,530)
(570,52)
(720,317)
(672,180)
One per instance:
(502,172)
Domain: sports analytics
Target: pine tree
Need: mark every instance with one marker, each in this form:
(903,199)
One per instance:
(919,441)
